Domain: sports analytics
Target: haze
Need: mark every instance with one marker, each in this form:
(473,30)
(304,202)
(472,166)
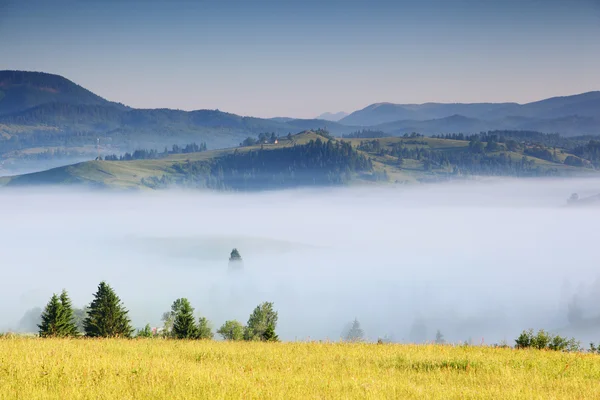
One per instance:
(480,260)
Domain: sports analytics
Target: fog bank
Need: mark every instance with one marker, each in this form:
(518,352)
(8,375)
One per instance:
(480,260)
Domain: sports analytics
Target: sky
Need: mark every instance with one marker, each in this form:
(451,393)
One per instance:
(303,58)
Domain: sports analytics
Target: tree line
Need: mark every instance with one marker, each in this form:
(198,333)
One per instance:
(144,154)
(319,162)
(479,159)
(107,317)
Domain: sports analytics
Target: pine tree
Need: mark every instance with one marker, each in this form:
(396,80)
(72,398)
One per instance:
(269,334)
(439,337)
(52,319)
(355,332)
(204,329)
(235,255)
(70,326)
(184,326)
(107,317)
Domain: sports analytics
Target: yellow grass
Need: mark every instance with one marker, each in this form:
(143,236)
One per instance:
(161,369)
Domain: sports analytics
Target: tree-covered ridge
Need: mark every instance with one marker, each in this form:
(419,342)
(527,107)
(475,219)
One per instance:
(21,90)
(499,153)
(145,154)
(523,137)
(319,162)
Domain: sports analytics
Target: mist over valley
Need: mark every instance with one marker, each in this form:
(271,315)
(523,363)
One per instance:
(479,260)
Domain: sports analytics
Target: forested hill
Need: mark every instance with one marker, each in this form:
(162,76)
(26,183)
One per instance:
(21,90)
(317,159)
(306,159)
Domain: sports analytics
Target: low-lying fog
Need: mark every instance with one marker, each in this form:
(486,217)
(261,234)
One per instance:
(480,260)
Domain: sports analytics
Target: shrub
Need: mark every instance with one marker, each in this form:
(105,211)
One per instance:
(545,341)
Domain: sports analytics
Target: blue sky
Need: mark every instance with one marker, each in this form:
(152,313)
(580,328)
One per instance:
(302,58)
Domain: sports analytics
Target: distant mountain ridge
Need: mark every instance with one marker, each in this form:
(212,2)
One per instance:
(583,105)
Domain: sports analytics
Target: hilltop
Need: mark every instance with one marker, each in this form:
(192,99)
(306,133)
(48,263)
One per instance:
(21,90)
(315,158)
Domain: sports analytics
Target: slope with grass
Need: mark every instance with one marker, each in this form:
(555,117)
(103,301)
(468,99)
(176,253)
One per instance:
(167,369)
(425,159)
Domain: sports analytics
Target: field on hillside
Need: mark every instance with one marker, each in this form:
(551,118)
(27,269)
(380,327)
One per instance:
(162,369)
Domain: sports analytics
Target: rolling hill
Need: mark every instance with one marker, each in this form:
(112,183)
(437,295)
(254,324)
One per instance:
(21,90)
(282,164)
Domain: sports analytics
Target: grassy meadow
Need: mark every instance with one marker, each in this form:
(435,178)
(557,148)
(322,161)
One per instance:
(32,368)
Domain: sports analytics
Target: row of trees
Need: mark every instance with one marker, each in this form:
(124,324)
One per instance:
(107,317)
(144,154)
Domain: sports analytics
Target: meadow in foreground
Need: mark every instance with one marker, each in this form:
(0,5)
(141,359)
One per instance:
(32,368)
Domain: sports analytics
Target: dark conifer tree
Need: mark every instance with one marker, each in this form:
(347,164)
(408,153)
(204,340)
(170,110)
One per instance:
(52,324)
(269,334)
(107,317)
(184,326)
(70,325)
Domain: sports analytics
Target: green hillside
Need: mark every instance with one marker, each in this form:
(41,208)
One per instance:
(314,158)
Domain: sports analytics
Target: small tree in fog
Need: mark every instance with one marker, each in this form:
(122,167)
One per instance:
(232,330)
(261,318)
(79,316)
(439,338)
(354,332)
(204,329)
(184,326)
(235,255)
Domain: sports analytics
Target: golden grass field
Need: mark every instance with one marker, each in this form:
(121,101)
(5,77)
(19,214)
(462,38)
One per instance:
(167,369)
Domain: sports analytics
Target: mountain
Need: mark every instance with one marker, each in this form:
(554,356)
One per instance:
(21,90)
(566,126)
(333,116)
(388,112)
(582,105)
(40,111)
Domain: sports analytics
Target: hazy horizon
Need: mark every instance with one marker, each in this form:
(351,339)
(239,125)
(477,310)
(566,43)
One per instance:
(302,59)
